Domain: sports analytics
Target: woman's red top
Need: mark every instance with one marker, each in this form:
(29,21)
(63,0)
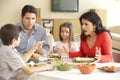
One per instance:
(103,41)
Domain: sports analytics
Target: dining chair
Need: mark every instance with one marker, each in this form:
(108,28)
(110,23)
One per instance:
(116,56)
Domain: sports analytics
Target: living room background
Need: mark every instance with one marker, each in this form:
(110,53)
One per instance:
(11,9)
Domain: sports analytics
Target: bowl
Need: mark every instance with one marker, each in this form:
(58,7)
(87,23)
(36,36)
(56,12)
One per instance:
(57,63)
(64,67)
(86,68)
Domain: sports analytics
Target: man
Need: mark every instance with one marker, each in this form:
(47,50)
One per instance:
(31,32)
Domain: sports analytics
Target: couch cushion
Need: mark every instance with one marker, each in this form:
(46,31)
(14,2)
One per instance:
(115,36)
(115,29)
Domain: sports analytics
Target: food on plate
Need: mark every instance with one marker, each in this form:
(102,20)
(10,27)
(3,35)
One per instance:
(35,58)
(110,68)
(82,60)
(35,55)
(55,56)
(32,64)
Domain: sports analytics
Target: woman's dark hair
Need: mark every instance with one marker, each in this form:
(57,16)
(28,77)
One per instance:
(70,27)
(95,20)
(8,32)
(28,8)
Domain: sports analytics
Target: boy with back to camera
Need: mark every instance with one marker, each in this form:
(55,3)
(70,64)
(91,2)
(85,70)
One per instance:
(11,62)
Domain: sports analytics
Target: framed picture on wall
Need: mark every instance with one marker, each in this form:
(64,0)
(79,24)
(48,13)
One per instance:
(48,23)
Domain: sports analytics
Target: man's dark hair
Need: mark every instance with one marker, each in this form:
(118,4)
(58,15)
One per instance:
(28,8)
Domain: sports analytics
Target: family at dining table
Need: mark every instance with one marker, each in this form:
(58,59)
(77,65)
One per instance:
(27,37)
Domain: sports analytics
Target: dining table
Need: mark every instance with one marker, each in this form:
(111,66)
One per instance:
(75,74)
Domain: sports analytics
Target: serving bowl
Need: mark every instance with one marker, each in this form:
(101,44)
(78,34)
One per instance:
(86,68)
(64,67)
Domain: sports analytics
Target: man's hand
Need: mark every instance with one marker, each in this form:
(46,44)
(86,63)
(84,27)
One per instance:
(39,50)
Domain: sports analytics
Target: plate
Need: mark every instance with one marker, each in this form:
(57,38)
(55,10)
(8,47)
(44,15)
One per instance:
(109,68)
(55,56)
(35,55)
(36,60)
(43,59)
(32,64)
(83,60)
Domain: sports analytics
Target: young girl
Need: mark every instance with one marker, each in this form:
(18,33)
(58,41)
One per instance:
(66,42)
(11,62)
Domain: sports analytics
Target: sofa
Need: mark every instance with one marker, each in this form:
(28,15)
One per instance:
(115,33)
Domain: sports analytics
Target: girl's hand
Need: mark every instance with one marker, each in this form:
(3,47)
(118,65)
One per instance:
(59,51)
(98,54)
(62,51)
(65,50)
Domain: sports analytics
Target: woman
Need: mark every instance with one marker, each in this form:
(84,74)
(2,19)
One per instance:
(95,39)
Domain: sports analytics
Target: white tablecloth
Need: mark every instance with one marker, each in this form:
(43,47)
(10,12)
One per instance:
(75,74)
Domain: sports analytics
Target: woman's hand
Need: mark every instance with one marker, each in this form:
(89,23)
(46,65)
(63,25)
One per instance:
(59,51)
(98,54)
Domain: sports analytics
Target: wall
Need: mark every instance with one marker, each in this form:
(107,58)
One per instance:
(10,10)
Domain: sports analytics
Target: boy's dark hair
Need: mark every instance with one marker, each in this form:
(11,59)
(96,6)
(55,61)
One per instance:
(28,8)
(8,32)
